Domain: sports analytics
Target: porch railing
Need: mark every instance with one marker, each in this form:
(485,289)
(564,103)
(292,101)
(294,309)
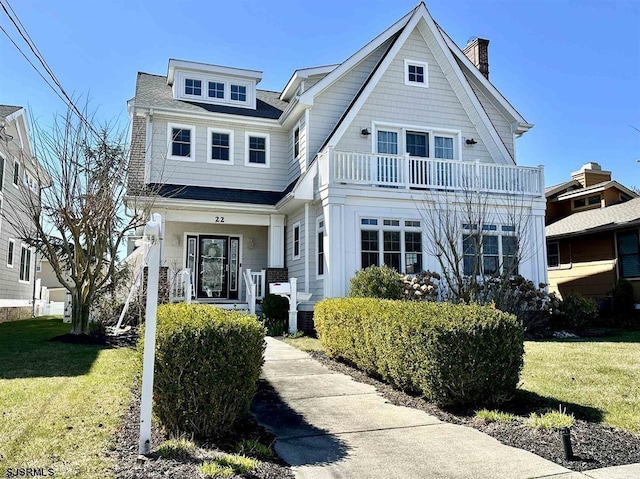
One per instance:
(181,287)
(251,288)
(409,172)
(258,278)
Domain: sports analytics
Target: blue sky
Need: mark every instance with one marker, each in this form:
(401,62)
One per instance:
(571,67)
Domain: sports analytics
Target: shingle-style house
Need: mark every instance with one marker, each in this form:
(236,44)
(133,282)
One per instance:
(592,234)
(324,177)
(18,170)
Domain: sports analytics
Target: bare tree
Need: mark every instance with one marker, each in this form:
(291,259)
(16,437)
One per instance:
(75,218)
(462,230)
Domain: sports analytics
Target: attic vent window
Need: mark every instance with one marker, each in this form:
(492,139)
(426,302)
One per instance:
(193,87)
(416,73)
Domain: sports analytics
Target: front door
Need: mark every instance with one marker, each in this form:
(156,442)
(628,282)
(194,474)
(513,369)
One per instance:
(216,270)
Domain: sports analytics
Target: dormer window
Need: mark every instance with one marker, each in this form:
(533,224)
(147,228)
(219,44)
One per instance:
(239,93)
(416,73)
(193,87)
(216,89)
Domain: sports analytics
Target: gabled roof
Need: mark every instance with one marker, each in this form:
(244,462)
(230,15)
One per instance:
(6,110)
(555,189)
(152,91)
(448,52)
(614,217)
(605,185)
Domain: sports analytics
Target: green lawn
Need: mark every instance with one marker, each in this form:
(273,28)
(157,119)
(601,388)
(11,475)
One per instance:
(60,403)
(598,377)
(601,374)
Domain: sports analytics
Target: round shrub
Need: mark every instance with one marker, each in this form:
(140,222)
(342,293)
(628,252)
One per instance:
(576,311)
(377,282)
(453,354)
(207,365)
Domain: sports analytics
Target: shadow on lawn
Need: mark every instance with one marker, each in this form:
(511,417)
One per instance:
(297,442)
(27,352)
(526,402)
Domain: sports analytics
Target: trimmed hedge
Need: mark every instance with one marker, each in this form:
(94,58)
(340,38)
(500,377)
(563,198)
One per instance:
(453,354)
(207,365)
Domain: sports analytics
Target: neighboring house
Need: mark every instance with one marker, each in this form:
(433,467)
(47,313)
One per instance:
(325,177)
(18,171)
(56,292)
(592,234)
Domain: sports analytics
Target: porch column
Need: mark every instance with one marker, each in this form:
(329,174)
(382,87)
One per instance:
(276,241)
(334,253)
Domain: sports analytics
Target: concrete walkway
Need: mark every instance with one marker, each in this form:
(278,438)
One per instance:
(329,426)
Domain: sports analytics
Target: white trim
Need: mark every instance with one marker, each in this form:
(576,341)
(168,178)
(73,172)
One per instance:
(267,145)
(209,116)
(192,148)
(416,63)
(13,253)
(306,247)
(295,226)
(403,129)
(320,229)
(186,65)
(224,131)
(24,247)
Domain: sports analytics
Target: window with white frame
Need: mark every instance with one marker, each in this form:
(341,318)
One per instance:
(1,173)
(296,240)
(25,264)
(320,247)
(388,142)
(216,89)
(416,73)
(16,173)
(296,143)
(11,252)
(417,141)
(490,252)
(220,146)
(396,243)
(443,147)
(30,182)
(553,255)
(257,149)
(192,87)
(181,142)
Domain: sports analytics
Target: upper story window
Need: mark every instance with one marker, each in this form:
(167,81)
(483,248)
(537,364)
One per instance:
(193,87)
(239,93)
(418,144)
(296,143)
(588,201)
(1,173)
(181,142)
(443,147)
(416,73)
(30,182)
(257,149)
(388,142)
(220,146)
(216,89)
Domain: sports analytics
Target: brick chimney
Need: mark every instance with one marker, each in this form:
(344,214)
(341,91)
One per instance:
(477,50)
(591,174)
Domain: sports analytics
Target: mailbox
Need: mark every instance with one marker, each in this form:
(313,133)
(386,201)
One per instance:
(279,288)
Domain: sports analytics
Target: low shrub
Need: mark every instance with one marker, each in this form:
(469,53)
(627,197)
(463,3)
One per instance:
(228,465)
(455,355)
(623,302)
(489,416)
(207,365)
(576,312)
(376,282)
(551,420)
(275,314)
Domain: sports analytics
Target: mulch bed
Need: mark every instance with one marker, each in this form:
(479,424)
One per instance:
(595,444)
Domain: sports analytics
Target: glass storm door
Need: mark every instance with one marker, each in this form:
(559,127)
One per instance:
(213,267)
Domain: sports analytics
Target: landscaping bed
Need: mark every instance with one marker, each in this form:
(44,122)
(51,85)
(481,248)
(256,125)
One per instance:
(595,444)
(130,466)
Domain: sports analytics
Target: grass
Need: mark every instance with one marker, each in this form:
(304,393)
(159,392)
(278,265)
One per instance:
(60,402)
(228,465)
(180,448)
(488,416)
(252,447)
(304,343)
(602,374)
(550,420)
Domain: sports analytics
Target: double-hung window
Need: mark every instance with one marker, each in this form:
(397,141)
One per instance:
(25,263)
(628,255)
(1,173)
(296,143)
(256,149)
(220,146)
(16,174)
(181,142)
(10,252)
(320,246)
(296,240)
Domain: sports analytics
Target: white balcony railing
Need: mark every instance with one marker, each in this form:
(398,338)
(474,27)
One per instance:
(393,171)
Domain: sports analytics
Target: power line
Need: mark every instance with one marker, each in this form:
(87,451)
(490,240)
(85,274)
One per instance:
(60,92)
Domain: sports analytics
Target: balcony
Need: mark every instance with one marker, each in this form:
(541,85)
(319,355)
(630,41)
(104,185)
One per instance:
(407,172)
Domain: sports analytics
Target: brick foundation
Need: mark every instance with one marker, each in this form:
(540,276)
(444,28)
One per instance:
(305,322)
(14,313)
(276,275)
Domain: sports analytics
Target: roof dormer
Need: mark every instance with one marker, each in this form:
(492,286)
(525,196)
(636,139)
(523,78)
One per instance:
(218,85)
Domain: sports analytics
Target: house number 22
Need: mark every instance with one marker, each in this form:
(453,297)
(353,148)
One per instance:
(219,219)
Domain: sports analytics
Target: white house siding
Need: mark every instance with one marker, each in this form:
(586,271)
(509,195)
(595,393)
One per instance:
(174,253)
(392,101)
(202,173)
(499,121)
(296,266)
(298,165)
(329,106)
(12,291)
(359,203)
